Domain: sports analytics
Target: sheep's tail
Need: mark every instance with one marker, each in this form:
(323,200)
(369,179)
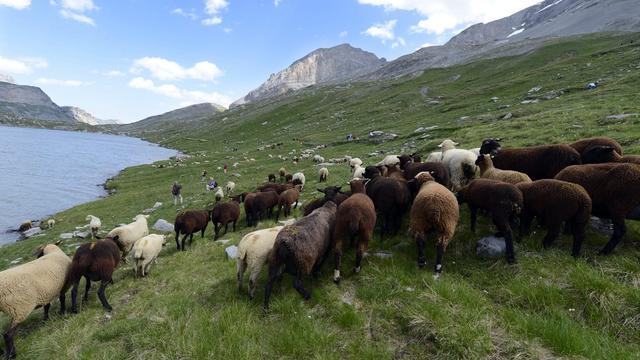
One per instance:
(138,254)
(242,247)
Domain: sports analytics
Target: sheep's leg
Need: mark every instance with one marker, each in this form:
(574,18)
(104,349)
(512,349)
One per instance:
(74,297)
(503,227)
(422,260)
(62,298)
(234,225)
(253,278)
(299,286)
(337,259)
(86,289)
(525,222)
(178,240)
(8,340)
(216,230)
(361,247)
(103,298)
(190,239)
(278,213)
(474,217)
(578,236)
(619,229)
(46,311)
(226,226)
(438,267)
(241,266)
(554,228)
(274,271)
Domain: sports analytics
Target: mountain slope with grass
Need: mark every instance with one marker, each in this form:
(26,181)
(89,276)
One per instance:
(549,305)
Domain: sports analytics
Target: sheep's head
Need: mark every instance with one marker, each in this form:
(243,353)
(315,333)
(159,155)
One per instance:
(424,177)
(448,144)
(484,160)
(89,217)
(600,154)
(330,192)
(357,186)
(371,172)
(45,249)
(490,146)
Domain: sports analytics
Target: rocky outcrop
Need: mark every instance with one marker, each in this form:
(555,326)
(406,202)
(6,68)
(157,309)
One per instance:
(84,117)
(183,115)
(322,66)
(21,102)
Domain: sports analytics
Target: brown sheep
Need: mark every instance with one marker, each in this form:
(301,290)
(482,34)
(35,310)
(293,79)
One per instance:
(95,261)
(605,154)
(356,216)
(271,178)
(394,172)
(249,212)
(556,201)
(435,209)
(391,198)
(223,214)
(438,170)
(286,199)
(301,248)
(488,171)
(288,178)
(584,146)
(502,200)
(615,193)
(279,188)
(332,193)
(189,222)
(539,162)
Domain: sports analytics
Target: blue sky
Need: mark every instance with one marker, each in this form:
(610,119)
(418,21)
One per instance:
(129,59)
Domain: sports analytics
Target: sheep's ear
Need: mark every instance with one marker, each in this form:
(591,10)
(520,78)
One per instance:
(440,145)
(39,251)
(498,139)
(456,144)
(147,216)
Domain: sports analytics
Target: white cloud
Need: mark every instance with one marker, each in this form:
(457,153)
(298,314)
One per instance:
(444,15)
(277,2)
(16,4)
(21,66)
(113,73)
(343,34)
(79,5)
(164,69)
(213,8)
(399,42)
(191,14)
(227,30)
(382,31)
(73,83)
(77,17)
(186,97)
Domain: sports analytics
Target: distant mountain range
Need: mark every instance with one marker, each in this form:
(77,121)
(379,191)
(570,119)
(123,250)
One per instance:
(23,102)
(179,116)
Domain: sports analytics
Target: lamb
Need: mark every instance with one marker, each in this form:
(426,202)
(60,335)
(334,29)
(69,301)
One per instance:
(356,216)
(355,162)
(188,222)
(31,285)
(298,179)
(389,160)
(604,154)
(286,199)
(488,171)
(94,225)
(130,233)
(95,261)
(146,251)
(231,186)
(502,200)
(539,162)
(219,194)
(271,178)
(223,214)
(435,209)
(390,197)
(584,147)
(358,172)
(301,248)
(324,174)
(253,252)
(460,163)
(615,193)
(556,201)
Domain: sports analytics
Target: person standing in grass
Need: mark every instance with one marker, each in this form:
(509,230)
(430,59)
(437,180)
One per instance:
(203,176)
(212,184)
(176,190)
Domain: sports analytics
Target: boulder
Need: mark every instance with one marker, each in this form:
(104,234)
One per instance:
(222,241)
(31,232)
(81,234)
(603,226)
(163,225)
(232,252)
(491,247)
(65,236)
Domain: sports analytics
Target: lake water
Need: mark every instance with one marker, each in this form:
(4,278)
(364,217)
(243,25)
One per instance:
(45,171)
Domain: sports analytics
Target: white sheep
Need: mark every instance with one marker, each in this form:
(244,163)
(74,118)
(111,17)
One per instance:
(130,233)
(389,160)
(51,223)
(324,174)
(358,172)
(475,151)
(318,158)
(460,163)
(230,187)
(30,285)
(298,178)
(435,156)
(94,225)
(145,251)
(253,251)
(355,162)
(219,194)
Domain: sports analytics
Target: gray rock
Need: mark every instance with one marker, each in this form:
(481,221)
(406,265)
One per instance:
(232,252)
(31,232)
(535,101)
(424,91)
(163,225)
(81,234)
(535,89)
(66,236)
(16,261)
(376,133)
(223,241)
(622,116)
(383,254)
(507,116)
(603,226)
(491,247)
(433,102)
(495,99)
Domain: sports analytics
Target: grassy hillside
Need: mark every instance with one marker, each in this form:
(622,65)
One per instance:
(548,305)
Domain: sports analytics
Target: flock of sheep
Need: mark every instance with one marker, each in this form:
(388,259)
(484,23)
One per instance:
(557,184)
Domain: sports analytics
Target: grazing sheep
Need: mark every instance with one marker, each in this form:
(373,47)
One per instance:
(318,159)
(95,261)
(253,252)
(615,193)
(435,156)
(286,199)
(301,248)
(332,193)
(390,197)
(405,159)
(250,213)
(437,170)
(299,179)
(355,162)
(26,225)
(219,194)
(556,201)
(605,154)
(488,171)
(282,172)
(188,222)
(356,216)
(358,172)
(223,214)
(502,200)
(51,223)
(394,172)
(539,162)
(288,178)
(271,178)
(584,147)
(128,234)
(324,174)
(279,188)
(145,251)
(31,285)
(389,160)
(94,225)
(231,186)
(435,209)
(460,163)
